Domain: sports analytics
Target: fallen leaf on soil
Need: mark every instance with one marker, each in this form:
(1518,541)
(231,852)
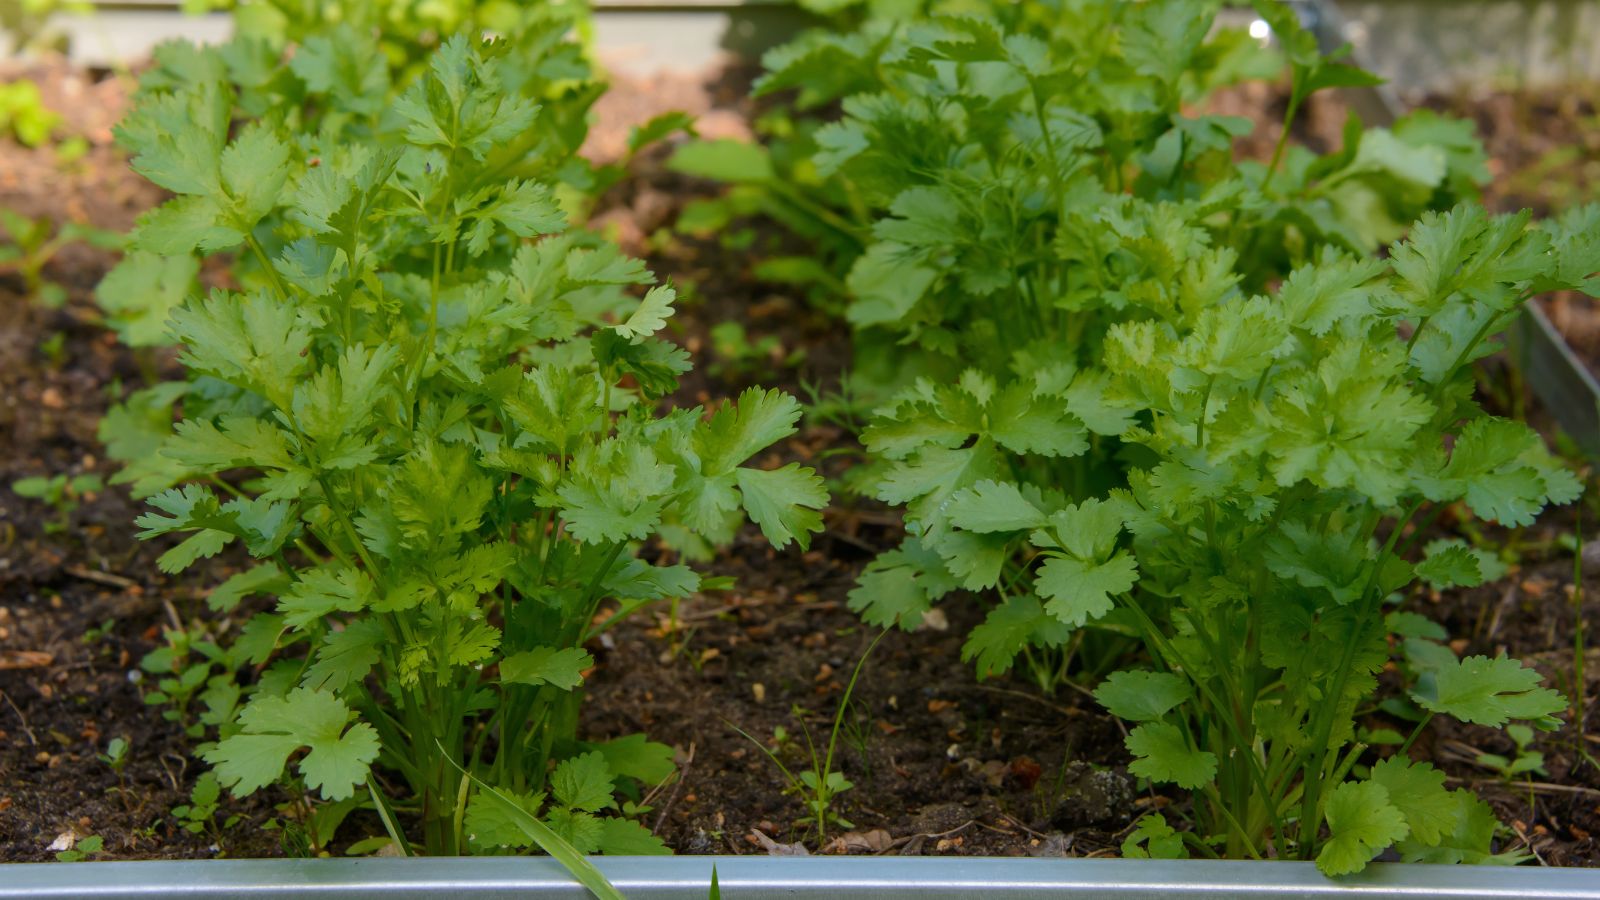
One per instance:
(1055,845)
(774,848)
(875,841)
(993,772)
(1026,772)
(25,659)
(64,841)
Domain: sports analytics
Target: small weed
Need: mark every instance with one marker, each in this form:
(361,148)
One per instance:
(61,493)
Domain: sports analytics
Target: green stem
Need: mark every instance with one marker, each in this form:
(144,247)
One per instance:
(266,266)
(1317,750)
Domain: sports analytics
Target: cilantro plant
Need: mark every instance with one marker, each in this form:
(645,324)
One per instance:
(435,421)
(1285,444)
(1178,398)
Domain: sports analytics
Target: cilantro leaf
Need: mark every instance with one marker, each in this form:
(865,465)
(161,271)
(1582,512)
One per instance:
(1363,822)
(1077,591)
(1142,696)
(1161,753)
(273,728)
(1417,790)
(1451,566)
(1488,692)
(990,506)
(562,667)
(784,502)
(583,783)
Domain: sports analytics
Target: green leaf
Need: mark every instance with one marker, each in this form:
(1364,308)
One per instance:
(899,586)
(141,291)
(489,824)
(1077,592)
(583,782)
(582,830)
(1161,754)
(253,169)
(1362,823)
(1153,838)
(650,317)
(510,808)
(722,160)
(1450,566)
(1019,622)
(625,837)
(739,430)
(1488,692)
(1503,472)
(562,667)
(273,728)
(659,128)
(1142,696)
(886,282)
(346,656)
(991,506)
(632,756)
(784,502)
(1417,790)
(1470,838)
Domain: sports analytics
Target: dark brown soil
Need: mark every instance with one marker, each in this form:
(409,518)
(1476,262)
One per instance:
(1530,615)
(940,762)
(63,695)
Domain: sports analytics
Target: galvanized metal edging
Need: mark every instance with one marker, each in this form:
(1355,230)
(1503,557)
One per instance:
(1558,377)
(768,878)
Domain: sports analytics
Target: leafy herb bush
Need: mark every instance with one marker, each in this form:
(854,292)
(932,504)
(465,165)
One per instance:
(1294,441)
(406,32)
(1178,398)
(337,89)
(434,421)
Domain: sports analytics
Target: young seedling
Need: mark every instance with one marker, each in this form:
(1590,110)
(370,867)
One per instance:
(61,493)
(23,114)
(735,355)
(199,815)
(820,785)
(28,245)
(116,757)
(82,849)
(1523,761)
(193,665)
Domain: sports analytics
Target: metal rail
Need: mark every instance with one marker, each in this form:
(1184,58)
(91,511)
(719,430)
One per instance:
(769,878)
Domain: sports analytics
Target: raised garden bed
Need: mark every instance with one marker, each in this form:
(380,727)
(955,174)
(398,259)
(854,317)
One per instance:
(943,764)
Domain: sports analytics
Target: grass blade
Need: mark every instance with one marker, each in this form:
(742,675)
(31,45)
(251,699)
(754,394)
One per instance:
(547,840)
